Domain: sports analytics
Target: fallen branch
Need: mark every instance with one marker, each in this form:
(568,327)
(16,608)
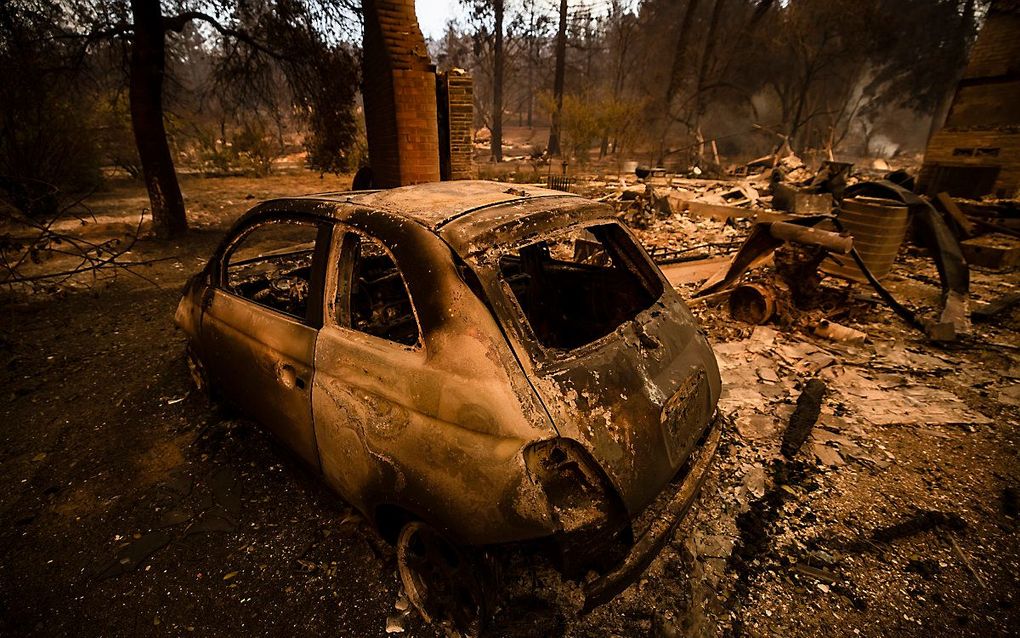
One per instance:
(967,563)
(94,258)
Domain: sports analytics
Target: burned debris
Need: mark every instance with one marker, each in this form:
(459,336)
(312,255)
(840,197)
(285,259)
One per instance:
(855,237)
(805,415)
(803,285)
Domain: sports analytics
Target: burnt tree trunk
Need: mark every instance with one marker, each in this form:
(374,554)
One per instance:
(561,70)
(680,51)
(675,74)
(530,80)
(145,93)
(497,86)
(706,61)
(938,118)
(796,123)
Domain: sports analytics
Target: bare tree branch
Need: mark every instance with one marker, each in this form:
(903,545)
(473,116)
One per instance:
(177,23)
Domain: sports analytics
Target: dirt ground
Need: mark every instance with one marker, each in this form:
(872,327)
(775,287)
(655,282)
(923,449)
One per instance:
(131,506)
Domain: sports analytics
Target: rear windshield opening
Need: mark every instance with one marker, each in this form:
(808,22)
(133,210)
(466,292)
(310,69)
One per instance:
(580,286)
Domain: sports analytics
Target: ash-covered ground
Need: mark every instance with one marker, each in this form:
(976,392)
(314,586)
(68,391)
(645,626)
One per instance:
(131,506)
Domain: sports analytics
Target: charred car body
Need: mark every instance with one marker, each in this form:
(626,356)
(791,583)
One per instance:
(467,363)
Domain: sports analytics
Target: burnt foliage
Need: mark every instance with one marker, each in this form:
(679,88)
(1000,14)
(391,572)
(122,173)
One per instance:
(237,86)
(47,141)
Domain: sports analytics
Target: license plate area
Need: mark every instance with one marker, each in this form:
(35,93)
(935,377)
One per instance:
(684,416)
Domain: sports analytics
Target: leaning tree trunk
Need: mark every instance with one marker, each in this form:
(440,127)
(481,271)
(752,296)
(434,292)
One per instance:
(561,71)
(497,87)
(148,62)
(675,74)
(706,61)
(946,101)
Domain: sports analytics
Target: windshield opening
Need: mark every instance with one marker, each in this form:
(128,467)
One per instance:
(579,286)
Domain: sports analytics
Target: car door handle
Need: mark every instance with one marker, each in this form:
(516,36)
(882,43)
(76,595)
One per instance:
(289,378)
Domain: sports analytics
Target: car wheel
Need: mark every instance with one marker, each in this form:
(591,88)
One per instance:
(442,582)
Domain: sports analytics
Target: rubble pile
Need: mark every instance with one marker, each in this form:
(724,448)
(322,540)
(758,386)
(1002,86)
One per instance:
(850,515)
(834,225)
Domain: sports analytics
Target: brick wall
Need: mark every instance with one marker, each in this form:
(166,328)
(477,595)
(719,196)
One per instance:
(399,90)
(964,148)
(455,97)
(997,50)
(983,126)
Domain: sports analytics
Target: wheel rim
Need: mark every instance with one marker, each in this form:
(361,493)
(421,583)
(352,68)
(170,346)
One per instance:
(439,580)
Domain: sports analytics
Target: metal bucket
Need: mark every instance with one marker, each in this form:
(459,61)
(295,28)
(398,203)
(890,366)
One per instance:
(878,227)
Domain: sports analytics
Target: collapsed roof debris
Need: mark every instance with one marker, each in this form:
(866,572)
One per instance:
(861,229)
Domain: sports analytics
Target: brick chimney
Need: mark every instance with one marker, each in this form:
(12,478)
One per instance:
(399,89)
(455,99)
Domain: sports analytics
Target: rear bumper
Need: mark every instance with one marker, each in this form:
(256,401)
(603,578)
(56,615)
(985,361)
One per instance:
(663,525)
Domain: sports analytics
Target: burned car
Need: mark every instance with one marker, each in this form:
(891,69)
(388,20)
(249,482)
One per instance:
(466,364)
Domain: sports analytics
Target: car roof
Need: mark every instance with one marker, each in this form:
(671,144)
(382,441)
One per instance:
(437,203)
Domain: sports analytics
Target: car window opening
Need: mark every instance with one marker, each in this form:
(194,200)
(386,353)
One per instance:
(272,266)
(578,287)
(380,305)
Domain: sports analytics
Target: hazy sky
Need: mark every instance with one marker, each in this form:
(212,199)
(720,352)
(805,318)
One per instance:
(433,15)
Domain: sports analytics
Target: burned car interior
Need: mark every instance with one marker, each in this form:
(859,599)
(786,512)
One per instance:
(279,278)
(379,303)
(579,287)
(273,264)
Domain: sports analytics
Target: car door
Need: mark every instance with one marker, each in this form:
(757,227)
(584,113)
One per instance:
(371,361)
(262,319)
(420,404)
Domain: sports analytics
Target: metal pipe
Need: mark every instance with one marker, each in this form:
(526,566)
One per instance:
(833,242)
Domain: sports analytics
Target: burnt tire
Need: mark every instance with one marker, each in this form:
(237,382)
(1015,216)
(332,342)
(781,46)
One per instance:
(446,584)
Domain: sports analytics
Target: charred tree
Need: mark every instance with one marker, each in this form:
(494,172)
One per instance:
(561,70)
(959,47)
(145,91)
(706,60)
(532,40)
(680,51)
(675,73)
(496,143)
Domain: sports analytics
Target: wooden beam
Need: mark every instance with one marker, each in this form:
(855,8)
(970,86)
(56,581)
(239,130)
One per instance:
(949,206)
